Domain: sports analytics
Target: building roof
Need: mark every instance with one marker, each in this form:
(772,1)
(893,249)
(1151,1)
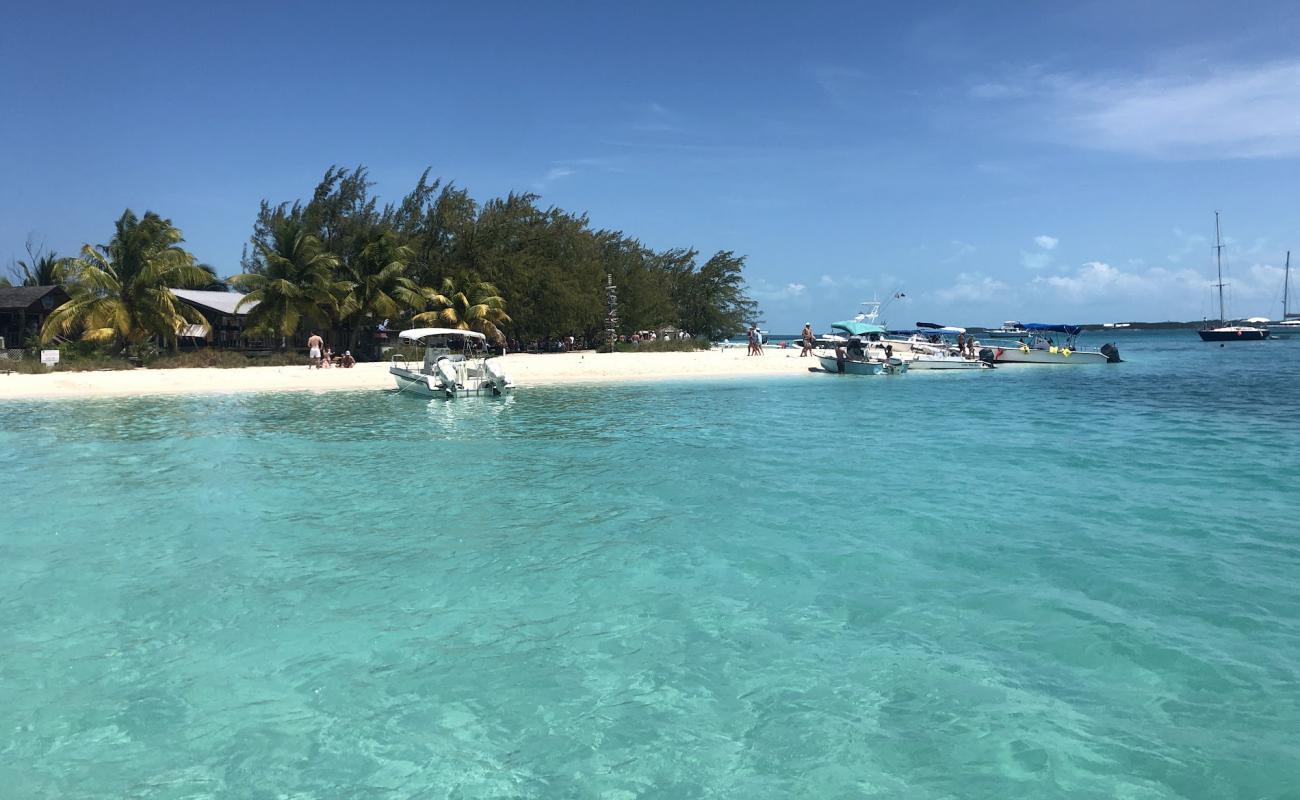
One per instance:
(16,298)
(221,302)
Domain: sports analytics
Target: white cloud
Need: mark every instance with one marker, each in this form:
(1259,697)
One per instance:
(1184,112)
(1178,293)
(1035,260)
(958,250)
(971,287)
(764,291)
(1046,242)
(554,173)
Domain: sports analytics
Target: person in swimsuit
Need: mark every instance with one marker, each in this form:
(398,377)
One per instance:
(315,345)
(807,340)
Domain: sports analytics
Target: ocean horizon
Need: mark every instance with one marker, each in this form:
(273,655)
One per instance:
(1050,582)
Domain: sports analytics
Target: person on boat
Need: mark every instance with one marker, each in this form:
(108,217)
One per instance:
(889,351)
(807,340)
(961,343)
(348,360)
(314,346)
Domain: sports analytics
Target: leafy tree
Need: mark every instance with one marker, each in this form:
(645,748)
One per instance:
(42,268)
(377,284)
(479,307)
(121,292)
(294,281)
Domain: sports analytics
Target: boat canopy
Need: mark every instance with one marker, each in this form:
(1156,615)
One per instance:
(855,328)
(419,333)
(1069,330)
(944,331)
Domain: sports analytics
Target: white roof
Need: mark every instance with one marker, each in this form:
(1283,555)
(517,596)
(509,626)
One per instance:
(420,333)
(224,302)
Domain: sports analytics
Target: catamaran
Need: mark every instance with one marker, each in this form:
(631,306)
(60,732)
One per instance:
(1225,332)
(1289,325)
(455,365)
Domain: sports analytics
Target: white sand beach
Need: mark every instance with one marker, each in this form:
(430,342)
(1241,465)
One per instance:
(524,369)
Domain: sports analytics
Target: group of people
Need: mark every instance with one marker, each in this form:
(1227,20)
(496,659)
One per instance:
(755,341)
(322,357)
(965,346)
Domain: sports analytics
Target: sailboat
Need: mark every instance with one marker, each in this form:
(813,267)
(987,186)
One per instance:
(1225,332)
(1289,325)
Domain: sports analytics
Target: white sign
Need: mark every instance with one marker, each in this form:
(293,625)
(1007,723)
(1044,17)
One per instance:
(49,357)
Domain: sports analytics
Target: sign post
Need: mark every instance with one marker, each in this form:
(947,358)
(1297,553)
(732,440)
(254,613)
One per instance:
(49,357)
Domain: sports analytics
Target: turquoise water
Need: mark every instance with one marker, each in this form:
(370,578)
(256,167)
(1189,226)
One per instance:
(1035,582)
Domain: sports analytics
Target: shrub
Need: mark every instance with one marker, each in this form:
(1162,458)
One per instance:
(661,346)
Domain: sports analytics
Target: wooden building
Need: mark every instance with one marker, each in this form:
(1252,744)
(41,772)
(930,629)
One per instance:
(23,310)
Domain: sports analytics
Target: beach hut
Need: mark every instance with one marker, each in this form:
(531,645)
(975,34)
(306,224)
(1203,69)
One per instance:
(23,310)
(225,326)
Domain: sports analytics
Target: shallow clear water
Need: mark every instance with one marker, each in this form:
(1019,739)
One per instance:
(1034,582)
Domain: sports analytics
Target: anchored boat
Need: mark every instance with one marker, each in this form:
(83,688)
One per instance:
(455,365)
(1225,332)
(1038,347)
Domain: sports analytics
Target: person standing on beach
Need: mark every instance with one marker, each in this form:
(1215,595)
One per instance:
(752,328)
(315,345)
(807,340)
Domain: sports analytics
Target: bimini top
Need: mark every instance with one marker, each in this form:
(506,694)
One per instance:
(855,328)
(1070,330)
(947,330)
(420,333)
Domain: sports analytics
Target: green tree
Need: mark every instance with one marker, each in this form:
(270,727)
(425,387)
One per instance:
(377,283)
(479,308)
(711,300)
(42,268)
(121,292)
(293,281)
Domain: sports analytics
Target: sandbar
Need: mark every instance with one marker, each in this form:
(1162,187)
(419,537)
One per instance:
(525,369)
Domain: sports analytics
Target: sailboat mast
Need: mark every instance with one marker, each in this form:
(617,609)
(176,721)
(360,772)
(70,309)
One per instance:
(1286,284)
(1218,263)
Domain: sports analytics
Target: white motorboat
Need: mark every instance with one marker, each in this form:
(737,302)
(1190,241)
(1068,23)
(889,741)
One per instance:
(455,365)
(1011,329)
(1289,325)
(861,349)
(1037,347)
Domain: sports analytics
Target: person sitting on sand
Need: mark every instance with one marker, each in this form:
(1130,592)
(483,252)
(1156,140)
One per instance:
(315,345)
(807,340)
(348,360)
(327,359)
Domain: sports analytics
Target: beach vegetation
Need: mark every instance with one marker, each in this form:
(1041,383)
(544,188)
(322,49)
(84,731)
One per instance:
(478,307)
(519,270)
(292,280)
(120,292)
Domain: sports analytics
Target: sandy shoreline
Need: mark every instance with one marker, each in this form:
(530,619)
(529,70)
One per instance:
(524,369)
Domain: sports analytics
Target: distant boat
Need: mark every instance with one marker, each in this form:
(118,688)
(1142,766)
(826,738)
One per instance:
(1225,332)
(1010,329)
(1289,325)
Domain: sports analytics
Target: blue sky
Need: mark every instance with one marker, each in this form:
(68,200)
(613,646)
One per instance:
(1051,162)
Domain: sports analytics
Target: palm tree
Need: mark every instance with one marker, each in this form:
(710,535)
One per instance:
(379,286)
(121,292)
(296,281)
(481,308)
(44,269)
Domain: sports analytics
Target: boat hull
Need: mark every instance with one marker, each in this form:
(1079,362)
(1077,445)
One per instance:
(1017,355)
(1233,334)
(856,367)
(1284,330)
(946,362)
(422,385)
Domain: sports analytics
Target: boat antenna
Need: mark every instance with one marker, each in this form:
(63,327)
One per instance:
(1218,264)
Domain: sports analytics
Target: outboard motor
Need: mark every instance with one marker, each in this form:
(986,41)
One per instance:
(1111,352)
(987,356)
(445,370)
(496,376)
